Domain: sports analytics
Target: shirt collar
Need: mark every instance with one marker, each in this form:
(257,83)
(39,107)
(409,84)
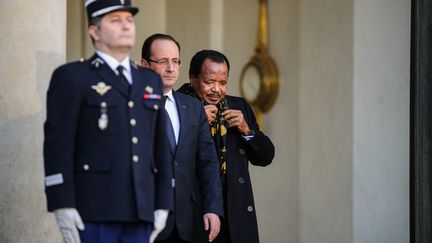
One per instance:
(113,63)
(170,95)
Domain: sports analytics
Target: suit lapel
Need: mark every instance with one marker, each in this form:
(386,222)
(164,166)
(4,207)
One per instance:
(182,113)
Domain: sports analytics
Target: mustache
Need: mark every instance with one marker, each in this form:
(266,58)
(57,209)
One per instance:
(214,95)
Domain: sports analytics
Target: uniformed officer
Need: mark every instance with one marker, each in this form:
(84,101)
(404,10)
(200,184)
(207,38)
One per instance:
(105,148)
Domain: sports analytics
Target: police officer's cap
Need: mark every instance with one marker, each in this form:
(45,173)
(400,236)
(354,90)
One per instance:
(97,8)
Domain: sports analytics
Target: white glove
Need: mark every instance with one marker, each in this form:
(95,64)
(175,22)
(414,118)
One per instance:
(160,218)
(68,220)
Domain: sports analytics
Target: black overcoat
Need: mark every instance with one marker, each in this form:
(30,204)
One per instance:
(239,201)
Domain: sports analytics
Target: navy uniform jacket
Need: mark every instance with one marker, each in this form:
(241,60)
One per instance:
(195,164)
(118,174)
(239,201)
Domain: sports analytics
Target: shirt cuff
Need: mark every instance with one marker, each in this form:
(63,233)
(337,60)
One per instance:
(249,136)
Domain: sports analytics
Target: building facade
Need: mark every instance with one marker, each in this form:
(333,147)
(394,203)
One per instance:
(340,123)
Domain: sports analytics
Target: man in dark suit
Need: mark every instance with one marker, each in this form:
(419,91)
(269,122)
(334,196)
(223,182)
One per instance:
(105,148)
(194,158)
(238,140)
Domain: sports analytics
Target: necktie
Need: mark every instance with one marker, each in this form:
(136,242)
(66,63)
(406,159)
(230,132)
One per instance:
(169,128)
(122,78)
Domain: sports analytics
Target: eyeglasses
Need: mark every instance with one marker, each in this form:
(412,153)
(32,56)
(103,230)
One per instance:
(165,62)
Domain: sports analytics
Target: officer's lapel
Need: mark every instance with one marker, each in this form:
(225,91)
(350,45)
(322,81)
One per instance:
(107,74)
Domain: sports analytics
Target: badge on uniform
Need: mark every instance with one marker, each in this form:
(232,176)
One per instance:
(151,97)
(148,89)
(101,88)
(97,62)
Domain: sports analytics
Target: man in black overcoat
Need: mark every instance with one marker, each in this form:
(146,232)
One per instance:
(238,140)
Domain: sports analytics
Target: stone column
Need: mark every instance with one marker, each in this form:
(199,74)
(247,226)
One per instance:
(381,105)
(326,121)
(354,121)
(33,38)
(191,30)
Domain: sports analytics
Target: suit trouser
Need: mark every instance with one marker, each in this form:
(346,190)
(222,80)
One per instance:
(116,232)
(174,237)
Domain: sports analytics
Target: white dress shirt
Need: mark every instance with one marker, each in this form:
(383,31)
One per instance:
(171,108)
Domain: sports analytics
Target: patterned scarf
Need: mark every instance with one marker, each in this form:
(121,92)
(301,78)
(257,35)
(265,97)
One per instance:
(218,128)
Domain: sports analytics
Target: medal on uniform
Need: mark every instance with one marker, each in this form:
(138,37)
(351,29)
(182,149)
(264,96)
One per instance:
(148,89)
(103,119)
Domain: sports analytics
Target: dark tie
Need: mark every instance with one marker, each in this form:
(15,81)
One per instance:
(169,128)
(122,78)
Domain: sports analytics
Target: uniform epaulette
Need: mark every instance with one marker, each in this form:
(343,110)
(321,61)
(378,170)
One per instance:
(149,70)
(135,64)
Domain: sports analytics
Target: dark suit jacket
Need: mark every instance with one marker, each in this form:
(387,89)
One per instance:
(239,202)
(196,169)
(121,173)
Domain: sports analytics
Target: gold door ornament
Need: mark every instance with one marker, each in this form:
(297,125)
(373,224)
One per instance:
(259,79)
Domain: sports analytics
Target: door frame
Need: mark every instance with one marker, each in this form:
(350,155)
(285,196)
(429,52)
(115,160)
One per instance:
(421,122)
